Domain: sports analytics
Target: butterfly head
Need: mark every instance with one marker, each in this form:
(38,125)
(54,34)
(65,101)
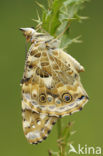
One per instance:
(28,33)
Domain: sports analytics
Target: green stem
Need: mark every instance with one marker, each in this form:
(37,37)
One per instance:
(60,143)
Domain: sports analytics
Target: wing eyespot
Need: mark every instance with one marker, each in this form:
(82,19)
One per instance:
(50,99)
(67,97)
(42,98)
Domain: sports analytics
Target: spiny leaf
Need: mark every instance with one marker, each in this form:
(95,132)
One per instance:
(66,41)
(40,5)
(58,16)
(51,17)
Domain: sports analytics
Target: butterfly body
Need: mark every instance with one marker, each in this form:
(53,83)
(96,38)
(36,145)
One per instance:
(51,85)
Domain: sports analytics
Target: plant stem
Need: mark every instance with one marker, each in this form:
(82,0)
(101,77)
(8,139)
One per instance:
(60,140)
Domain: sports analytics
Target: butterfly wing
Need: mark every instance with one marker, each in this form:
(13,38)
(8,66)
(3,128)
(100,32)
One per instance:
(51,83)
(36,126)
(51,86)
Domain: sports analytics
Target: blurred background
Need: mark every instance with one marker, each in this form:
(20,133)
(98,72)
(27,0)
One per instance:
(88,123)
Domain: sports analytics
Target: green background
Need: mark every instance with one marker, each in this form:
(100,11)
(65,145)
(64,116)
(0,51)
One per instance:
(89,122)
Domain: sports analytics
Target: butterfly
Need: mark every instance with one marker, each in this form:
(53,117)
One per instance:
(51,86)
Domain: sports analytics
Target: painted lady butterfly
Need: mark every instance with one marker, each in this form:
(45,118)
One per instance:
(51,86)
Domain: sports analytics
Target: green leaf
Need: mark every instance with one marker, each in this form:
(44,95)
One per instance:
(57,19)
(51,17)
